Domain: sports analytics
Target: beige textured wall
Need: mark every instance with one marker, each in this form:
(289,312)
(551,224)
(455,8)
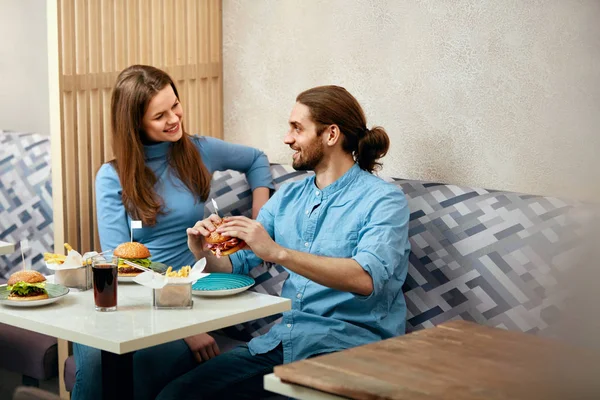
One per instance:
(497,94)
(24,67)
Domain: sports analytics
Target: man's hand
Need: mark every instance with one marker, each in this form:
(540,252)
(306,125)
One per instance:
(203,346)
(254,234)
(201,230)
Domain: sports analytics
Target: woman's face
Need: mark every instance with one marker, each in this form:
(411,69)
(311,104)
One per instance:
(162,120)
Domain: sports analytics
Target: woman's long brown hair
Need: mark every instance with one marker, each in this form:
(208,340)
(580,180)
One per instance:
(134,89)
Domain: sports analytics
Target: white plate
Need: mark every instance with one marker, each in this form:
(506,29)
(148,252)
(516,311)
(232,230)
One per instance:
(125,279)
(55,291)
(156,266)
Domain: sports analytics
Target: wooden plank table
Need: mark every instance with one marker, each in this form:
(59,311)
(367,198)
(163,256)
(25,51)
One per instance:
(458,360)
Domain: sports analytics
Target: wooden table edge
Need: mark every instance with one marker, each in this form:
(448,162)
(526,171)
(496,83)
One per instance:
(273,384)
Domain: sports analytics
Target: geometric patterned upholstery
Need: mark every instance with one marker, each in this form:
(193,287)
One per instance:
(485,256)
(480,255)
(26,213)
(25,199)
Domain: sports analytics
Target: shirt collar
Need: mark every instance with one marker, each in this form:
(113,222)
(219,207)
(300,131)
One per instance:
(340,183)
(156,150)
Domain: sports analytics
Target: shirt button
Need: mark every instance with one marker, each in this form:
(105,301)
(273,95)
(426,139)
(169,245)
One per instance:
(318,193)
(289,325)
(298,295)
(307,212)
(306,244)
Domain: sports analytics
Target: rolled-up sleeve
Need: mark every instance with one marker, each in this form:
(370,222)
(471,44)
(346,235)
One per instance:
(244,260)
(383,245)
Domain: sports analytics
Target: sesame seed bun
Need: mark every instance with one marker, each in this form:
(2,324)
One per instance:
(132,250)
(27,276)
(216,237)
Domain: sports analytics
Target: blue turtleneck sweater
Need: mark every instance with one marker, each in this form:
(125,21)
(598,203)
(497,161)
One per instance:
(167,240)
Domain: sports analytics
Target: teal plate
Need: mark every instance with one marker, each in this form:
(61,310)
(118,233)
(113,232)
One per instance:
(218,284)
(55,293)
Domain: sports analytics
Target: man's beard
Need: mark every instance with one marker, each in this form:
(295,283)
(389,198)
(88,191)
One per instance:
(309,157)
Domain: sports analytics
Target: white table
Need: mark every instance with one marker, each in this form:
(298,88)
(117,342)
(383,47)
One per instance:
(273,384)
(136,324)
(6,248)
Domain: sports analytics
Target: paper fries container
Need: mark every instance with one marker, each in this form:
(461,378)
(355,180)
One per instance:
(172,292)
(75,278)
(173,296)
(72,273)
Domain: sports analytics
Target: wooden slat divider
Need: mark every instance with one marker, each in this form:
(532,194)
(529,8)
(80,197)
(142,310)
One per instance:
(98,39)
(107,79)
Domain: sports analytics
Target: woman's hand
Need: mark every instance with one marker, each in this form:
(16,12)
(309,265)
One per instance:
(197,234)
(203,346)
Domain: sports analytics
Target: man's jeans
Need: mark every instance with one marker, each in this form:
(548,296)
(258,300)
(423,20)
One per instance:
(233,375)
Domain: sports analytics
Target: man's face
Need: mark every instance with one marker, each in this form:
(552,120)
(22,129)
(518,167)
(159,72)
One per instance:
(302,137)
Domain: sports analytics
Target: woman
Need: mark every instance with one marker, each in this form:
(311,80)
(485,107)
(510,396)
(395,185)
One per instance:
(160,176)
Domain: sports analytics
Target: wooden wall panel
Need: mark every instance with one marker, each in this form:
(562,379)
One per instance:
(98,39)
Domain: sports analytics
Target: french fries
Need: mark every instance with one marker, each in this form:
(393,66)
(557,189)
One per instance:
(184,272)
(53,258)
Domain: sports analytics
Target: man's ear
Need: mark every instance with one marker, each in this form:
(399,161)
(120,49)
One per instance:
(332,135)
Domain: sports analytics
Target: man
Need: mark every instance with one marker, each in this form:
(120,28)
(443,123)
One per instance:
(343,236)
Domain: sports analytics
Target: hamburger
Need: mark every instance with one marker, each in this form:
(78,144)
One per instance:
(221,245)
(27,286)
(133,252)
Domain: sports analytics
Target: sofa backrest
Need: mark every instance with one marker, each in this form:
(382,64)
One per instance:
(25,198)
(480,255)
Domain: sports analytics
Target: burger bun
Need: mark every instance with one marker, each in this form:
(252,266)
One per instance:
(131,250)
(28,298)
(27,276)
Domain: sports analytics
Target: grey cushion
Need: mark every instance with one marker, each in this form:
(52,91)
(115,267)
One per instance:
(25,198)
(31,393)
(485,256)
(28,353)
(481,255)
(69,373)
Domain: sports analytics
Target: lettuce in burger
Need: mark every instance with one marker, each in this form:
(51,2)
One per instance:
(27,286)
(133,252)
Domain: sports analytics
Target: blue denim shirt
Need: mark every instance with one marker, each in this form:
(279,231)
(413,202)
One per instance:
(359,216)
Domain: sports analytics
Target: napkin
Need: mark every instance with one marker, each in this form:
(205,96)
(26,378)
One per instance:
(73,260)
(155,280)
